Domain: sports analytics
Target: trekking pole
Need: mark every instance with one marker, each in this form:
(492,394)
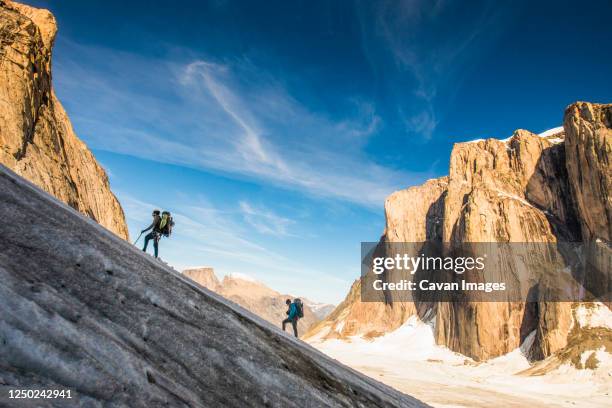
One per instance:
(138,238)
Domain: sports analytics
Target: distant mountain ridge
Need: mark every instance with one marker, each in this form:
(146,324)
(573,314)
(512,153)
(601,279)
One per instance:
(257,297)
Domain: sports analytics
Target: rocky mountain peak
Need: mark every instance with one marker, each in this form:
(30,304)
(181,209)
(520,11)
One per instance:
(255,296)
(204,275)
(37,138)
(548,187)
(43,19)
(245,286)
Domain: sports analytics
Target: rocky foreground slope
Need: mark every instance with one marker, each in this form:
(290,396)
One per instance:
(82,308)
(36,136)
(254,296)
(553,187)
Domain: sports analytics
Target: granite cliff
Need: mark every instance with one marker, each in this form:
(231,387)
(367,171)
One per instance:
(37,138)
(552,187)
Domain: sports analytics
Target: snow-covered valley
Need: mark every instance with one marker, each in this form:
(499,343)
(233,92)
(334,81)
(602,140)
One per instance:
(409,360)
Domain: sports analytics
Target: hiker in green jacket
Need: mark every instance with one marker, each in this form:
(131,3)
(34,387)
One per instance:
(155,233)
(161,225)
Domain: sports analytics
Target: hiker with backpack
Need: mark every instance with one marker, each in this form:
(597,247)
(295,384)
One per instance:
(161,225)
(295,312)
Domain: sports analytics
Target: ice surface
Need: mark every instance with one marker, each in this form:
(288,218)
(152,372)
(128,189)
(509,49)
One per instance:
(84,309)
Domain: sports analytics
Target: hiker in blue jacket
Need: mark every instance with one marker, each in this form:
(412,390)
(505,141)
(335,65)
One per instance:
(292,316)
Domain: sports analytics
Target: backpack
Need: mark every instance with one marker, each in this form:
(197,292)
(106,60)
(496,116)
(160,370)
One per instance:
(300,308)
(166,223)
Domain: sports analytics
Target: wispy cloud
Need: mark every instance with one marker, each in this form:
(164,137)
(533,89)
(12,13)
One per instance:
(248,142)
(265,221)
(224,239)
(202,228)
(229,117)
(420,50)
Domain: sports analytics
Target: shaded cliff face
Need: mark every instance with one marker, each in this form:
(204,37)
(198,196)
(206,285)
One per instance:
(254,296)
(89,311)
(528,188)
(37,138)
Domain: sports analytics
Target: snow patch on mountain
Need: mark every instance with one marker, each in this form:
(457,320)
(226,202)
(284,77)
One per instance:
(547,134)
(594,315)
(551,132)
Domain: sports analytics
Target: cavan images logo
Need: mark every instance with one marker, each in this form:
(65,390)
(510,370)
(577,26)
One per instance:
(412,264)
(483,272)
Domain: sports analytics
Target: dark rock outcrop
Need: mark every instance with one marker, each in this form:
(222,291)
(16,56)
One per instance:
(82,308)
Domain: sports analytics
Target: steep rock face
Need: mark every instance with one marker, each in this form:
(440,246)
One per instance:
(523,189)
(254,296)
(589,150)
(589,145)
(417,213)
(37,138)
(506,191)
(82,308)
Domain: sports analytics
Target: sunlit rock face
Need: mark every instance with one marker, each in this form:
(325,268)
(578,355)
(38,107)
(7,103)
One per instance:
(552,187)
(37,138)
(588,146)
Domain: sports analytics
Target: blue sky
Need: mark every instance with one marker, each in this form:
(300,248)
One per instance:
(275,130)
